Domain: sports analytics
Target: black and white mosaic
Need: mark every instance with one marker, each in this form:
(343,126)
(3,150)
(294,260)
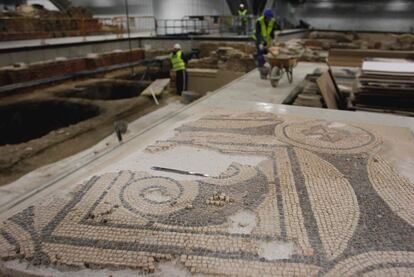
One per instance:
(321,188)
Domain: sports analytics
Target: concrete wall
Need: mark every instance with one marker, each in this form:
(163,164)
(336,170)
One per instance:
(362,15)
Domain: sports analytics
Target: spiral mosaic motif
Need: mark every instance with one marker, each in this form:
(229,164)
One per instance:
(152,196)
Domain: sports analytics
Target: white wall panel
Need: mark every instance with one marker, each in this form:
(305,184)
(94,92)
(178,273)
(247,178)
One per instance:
(162,9)
(176,9)
(117,7)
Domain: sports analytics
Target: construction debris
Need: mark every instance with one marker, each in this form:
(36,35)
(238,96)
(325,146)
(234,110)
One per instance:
(386,85)
(225,58)
(348,49)
(309,92)
(207,48)
(297,48)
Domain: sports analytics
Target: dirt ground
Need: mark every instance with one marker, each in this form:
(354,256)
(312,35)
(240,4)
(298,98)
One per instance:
(21,158)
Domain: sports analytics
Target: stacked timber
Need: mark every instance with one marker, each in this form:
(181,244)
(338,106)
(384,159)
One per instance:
(386,85)
(355,57)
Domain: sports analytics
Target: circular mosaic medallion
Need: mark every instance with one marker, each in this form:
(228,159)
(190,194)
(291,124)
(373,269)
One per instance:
(332,137)
(154,196)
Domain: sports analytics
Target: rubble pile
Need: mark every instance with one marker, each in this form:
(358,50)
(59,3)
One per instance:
(315,48)
(208,47)
(334,40)
(297,48)
(207,63)
(404,42)
(225,58)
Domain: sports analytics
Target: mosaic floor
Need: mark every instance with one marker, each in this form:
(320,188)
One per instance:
(322,203)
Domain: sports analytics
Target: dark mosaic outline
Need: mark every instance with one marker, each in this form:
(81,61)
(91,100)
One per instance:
(47,236)
(372,139)
(129,207)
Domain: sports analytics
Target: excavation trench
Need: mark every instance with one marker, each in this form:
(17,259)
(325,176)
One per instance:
(108,90)
(25,121)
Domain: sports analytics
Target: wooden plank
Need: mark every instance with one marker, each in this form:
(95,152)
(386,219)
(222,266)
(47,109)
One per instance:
(387,66)
(382,110)
(327,88)
(202,72)
(385,81)
(157,87)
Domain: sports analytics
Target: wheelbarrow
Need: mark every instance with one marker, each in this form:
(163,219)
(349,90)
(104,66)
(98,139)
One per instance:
(279,65)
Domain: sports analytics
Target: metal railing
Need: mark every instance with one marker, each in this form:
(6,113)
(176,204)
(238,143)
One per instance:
(137,24)
(149,25)
(190,26)
(228,24)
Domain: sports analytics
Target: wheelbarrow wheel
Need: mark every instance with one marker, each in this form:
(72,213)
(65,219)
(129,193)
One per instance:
(274,83)
(275,75)
(264,72)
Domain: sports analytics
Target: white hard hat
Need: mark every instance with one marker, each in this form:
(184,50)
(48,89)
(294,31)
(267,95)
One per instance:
(241,5)
(177,46)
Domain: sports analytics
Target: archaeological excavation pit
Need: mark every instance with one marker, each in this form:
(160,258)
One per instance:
(25,121)
(108,90)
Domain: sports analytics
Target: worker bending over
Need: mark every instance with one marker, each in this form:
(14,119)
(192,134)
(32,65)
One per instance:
(264,35)
(243,17)
(178,65)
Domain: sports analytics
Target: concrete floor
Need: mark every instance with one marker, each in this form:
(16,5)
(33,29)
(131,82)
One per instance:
(150,144)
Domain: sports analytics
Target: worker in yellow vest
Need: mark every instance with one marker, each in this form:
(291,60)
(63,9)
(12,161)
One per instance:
(242,19)
(264,35)
(178,65)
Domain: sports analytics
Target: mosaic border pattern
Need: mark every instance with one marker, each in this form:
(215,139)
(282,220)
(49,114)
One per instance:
(338,206)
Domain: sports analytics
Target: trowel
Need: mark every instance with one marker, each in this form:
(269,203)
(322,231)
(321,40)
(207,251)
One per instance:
(177,171)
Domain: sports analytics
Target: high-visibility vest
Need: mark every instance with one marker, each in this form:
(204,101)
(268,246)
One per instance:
(243,14)
(265,30)
(177,61)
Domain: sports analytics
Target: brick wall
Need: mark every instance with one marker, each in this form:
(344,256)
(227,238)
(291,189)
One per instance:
(38,28)
(40,71)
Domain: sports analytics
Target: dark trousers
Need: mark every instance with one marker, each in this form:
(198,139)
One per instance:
(242,27)
(260,56)
(180,81)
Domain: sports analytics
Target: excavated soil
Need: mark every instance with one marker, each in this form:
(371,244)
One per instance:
(45,125)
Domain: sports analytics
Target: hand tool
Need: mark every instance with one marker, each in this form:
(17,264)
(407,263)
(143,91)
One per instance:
(177,171)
